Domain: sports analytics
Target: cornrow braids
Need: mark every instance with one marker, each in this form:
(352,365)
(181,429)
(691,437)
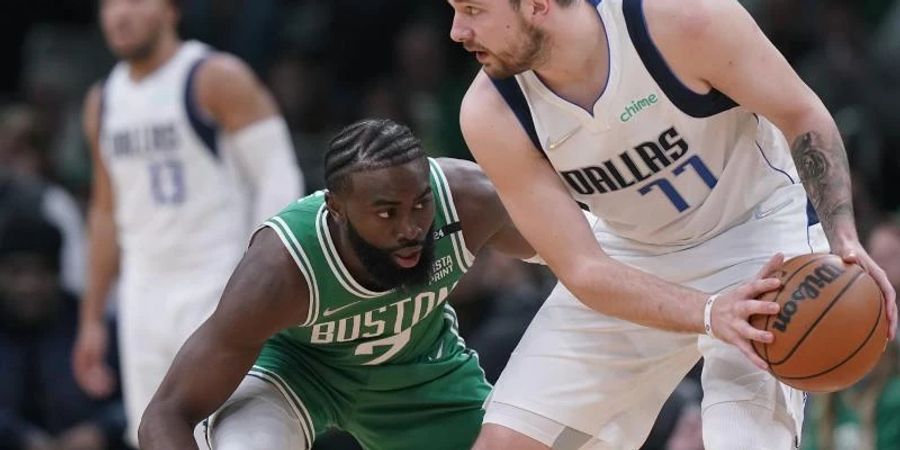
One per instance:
(369,144)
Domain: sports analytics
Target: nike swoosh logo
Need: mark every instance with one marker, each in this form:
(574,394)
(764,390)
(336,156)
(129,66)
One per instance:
(329,311)
(562,139)
(760,213)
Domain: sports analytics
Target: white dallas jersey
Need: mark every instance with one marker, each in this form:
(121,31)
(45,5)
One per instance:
(180,203)
(658,163)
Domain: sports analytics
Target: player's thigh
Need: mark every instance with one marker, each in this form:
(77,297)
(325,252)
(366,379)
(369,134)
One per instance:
(258,416)
(510,427)
(438,409)
(737,394)
(142,354)
(592,373)
(496,437)
(189,308)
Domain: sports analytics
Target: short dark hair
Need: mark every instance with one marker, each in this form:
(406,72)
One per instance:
(564,3)
(31,234)
(369,144)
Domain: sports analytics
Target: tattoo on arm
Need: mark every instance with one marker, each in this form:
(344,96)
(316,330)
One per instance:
(822,164)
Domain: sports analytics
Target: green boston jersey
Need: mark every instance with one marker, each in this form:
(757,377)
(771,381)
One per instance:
(349,325)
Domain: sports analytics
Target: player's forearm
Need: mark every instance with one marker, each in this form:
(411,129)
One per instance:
(818,152)
(103,264)
(164,428)
(621,291)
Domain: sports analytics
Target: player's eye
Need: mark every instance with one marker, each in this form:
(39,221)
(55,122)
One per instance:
(384,214)
(471,10)
(420,205)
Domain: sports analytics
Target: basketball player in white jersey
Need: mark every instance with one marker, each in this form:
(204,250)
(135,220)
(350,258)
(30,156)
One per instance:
(679,125)
(188,152)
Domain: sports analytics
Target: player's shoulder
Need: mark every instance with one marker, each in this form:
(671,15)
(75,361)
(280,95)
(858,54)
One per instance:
(487,121)
(229,90)
(94,95)
(224,68)
(687,20)
(461,175)
(473,192)
(91,106)
(481,100)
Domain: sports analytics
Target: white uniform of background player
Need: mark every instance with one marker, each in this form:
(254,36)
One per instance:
(185,194)
(692,188)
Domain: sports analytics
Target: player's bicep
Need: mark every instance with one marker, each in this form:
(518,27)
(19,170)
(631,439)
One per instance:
(533,194)
(261,298)
(266,293)
(720,43)
(101,189)
(231,93)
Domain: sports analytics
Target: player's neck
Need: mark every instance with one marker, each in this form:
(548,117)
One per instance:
(168,45)
(578,64)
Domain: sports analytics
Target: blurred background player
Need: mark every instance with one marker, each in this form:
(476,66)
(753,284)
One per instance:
(188,152)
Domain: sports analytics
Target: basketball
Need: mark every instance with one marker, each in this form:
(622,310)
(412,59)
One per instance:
(832,326)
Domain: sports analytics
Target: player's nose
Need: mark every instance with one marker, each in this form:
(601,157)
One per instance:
(459,32)
(409,230)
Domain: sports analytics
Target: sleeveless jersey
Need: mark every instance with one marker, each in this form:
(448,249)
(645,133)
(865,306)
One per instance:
(657,162)
(350,325)
(179,200)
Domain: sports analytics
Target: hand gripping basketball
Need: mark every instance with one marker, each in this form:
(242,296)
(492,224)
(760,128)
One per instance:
(730,314)
(854,253)
(832,327)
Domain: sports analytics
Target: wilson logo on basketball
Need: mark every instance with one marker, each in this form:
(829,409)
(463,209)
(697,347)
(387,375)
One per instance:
(808,289)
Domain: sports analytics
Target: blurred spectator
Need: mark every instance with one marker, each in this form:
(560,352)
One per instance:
(302,89)
(884,248)
(245,28)
(23,142)
(21,194)
(867,415)
(857,88)
(41,407)
(678,426)
(432,95)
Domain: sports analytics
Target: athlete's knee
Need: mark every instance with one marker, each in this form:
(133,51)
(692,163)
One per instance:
(253,435)
(256,418)
(498,437)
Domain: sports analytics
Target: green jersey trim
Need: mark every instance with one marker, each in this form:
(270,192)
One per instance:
(463,256)
(303,416)
(336,263)
(302,260)
(450,314)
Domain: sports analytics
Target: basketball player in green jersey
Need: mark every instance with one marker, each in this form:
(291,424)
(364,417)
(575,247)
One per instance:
(337,317)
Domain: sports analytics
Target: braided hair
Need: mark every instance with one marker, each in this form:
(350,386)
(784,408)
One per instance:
(369,144)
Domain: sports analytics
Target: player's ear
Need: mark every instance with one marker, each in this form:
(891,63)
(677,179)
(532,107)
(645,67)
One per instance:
(538,9)
(173,13)
(335,208)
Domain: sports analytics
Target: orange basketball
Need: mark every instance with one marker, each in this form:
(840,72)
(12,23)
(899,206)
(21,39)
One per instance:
(832,326)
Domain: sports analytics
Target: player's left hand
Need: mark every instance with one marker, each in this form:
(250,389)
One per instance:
(854,253)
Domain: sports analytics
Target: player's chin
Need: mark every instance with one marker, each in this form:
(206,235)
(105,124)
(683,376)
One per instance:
(499,71)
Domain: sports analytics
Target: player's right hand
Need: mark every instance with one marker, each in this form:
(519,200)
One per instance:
(89,360)
(730,316)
